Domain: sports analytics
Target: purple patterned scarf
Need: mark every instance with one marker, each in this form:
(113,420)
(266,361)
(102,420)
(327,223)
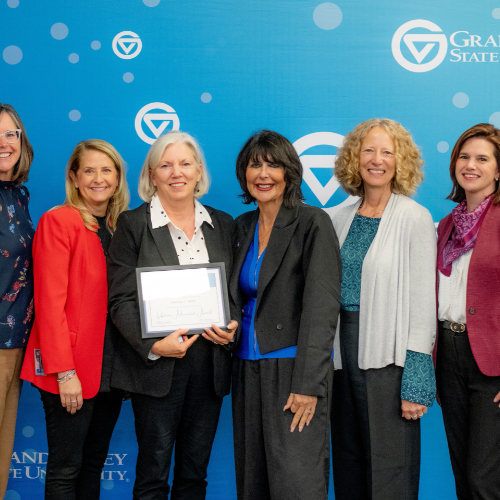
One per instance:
(466,229)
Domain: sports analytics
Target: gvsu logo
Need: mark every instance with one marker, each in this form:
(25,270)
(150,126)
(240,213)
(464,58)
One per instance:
(157,122)
(127,45)
(419,53)
(310,162)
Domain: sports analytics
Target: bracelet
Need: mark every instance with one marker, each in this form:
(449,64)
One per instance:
(66,377)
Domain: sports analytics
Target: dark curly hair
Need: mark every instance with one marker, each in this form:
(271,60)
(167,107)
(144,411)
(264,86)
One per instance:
(274,148)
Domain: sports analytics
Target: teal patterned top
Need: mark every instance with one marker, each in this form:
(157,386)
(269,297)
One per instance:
(419,382)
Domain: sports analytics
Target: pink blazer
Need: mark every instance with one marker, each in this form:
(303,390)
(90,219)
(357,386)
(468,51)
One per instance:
(483,291)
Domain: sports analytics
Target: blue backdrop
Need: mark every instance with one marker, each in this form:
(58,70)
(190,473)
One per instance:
(128,70)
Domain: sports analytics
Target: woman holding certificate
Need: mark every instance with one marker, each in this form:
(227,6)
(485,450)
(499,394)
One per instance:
(69,354)
(176,383)
(286,280)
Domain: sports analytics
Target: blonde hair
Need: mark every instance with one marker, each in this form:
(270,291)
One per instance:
(409,163)
(146,187)
(23,165)
(121,197)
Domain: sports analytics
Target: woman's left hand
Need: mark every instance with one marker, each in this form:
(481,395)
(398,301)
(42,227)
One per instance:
(497,399)
(412,411)
(303,407)
(218,336)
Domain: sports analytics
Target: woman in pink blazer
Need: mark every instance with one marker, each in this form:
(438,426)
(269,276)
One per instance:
(467,353)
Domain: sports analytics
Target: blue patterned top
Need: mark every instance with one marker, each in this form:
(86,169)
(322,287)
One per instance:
(418,384)
(16,274)
(248,347)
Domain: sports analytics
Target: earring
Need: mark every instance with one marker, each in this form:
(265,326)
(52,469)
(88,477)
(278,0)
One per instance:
(196,188)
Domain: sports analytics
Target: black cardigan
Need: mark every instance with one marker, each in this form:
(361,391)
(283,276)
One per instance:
(136,244)
(298,295)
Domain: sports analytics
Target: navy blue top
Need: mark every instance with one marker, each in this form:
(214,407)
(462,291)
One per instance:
(418,383)
(248,347)
(16,273)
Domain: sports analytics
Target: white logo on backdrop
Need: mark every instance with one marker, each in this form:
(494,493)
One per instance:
(165,118)
(322,193)
(127,45)
(411,38)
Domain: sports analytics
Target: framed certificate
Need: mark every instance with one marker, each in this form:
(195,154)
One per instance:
(189,296)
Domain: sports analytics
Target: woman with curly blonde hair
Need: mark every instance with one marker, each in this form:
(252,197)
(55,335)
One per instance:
(384,380)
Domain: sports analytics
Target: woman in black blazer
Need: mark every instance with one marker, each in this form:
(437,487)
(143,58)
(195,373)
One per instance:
(176,383)
(286,280)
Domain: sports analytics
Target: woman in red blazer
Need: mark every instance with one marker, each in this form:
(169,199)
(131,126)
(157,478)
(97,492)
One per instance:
(467,353)
(68,355)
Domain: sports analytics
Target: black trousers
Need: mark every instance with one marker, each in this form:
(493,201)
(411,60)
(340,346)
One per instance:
(271,462)
(471,418)
(78,444)
(187,416)
(375,452)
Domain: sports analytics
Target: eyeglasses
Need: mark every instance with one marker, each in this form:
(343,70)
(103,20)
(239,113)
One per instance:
(12,136)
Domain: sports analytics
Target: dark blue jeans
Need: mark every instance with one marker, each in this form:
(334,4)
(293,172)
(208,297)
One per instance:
(187,416)
(78,444)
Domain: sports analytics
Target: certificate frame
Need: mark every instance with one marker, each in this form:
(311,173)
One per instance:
(159,317)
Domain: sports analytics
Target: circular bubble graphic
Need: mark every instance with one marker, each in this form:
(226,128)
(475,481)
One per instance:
(460,99)
(12,54)
(73,58)
(28,431)
(495,119)
(96,45)
(327,16)
(12,495)
(206,97)
(74,115)
(128,77)
(151,3)
(108,484)
(443,147)
(59,31)
(13,3)
(496,13)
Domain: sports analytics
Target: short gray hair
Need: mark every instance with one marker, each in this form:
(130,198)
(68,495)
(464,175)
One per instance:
(146,186)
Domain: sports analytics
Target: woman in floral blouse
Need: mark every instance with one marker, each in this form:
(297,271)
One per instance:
(16,283)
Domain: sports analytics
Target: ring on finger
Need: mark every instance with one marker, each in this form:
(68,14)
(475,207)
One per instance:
(414,417)
(307,411)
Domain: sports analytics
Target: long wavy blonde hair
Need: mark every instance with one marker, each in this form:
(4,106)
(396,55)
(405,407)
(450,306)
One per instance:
(121,197)
(409,163)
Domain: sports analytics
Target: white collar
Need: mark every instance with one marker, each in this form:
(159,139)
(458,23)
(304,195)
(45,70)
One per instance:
(159,217)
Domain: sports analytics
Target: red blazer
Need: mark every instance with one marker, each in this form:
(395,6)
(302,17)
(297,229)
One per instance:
(483,291)
(71,296)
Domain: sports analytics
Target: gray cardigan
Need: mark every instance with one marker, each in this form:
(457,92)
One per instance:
(398,284)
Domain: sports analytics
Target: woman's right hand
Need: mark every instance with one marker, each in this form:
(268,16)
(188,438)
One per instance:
(71,393)
(175,345)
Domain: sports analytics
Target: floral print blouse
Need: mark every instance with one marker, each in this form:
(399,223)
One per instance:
(16,274)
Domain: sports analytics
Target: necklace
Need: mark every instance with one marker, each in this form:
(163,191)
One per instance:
(358,211)
(261,240)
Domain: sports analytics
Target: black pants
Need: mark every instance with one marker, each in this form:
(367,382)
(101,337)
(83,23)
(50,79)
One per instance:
(471,418)
(187,416)
(271,462)
(375,452)
(78,444)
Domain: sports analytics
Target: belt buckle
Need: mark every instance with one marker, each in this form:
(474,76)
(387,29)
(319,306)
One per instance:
(457,327)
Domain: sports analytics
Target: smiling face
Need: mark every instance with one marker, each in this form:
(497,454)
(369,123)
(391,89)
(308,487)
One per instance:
(266,181)
(176,175)
(9,152)
(377,160)
(97,179)
(476,169)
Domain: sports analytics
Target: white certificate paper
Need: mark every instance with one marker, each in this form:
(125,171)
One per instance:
(182,297)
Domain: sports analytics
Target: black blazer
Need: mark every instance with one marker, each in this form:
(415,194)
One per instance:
(298,295)
(136,244)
